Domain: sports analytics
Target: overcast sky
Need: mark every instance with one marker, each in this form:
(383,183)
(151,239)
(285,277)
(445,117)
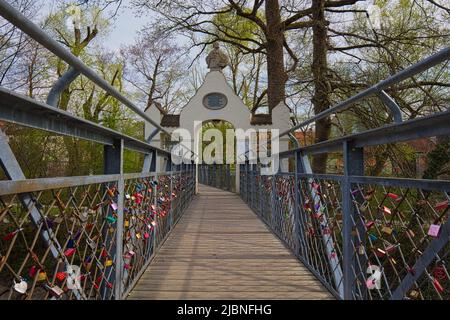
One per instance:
(125,28)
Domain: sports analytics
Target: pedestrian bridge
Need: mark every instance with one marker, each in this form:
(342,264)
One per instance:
(221,250)
(294,234)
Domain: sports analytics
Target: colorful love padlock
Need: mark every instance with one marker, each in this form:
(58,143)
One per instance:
(393,196)
(434,230)
(70,252)
(61,276)
(42,276)
(442,205)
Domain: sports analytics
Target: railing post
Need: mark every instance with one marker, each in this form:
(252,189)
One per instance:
(113,162)
(250,185)
(172,212)
(261,188)
(353,166)
(228,176)
(299,169)
(155,203)
(273,200)
(249,182)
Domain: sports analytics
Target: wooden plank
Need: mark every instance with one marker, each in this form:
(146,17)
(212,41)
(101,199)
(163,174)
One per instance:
(192,295)
(221,250)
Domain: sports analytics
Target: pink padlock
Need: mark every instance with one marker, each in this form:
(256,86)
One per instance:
(434,230)
(114,206)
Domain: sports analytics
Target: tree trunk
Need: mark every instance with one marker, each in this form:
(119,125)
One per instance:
(276,72)
(322,89)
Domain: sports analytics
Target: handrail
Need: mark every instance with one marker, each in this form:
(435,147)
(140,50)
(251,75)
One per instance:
(429,126)
(417,68)
(378,89)
(23,110)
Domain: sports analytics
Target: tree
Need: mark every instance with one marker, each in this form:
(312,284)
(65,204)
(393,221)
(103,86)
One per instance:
(408,33)
(156,67)
(246,69)
(14,44)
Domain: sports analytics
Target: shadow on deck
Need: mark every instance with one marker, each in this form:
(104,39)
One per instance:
(221,250)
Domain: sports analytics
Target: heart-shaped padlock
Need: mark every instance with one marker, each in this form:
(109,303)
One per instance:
(21,287)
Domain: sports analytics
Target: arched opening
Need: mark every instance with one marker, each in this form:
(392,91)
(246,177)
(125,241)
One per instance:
(217,144)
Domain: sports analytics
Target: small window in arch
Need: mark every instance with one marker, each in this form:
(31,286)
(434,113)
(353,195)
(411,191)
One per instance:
(215,101)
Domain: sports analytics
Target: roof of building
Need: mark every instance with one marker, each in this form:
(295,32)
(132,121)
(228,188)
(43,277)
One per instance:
(171,120)
(261,119)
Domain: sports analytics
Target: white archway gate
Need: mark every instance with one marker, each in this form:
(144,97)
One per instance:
(216,100)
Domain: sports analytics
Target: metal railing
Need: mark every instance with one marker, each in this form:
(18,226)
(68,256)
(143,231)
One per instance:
(345,228)
(362,237)
(109,226)
(82,237)
(218,176)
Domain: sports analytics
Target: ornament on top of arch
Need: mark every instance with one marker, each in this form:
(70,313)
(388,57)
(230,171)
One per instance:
(217,60)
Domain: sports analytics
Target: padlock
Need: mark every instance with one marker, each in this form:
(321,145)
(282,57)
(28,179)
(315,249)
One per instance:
(391,249)
(21,286)
(369,224)
(70,252)
(42,276)
(114,206)
(380,253)
(433,231)
(88,266)
(361,250)
(61,276)
(442,205)
(111,192)
(437,285)
(393,196)
(32,272)
(414,294)
(386,210)
(387,230)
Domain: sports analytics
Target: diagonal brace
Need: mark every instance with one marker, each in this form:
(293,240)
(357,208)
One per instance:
(423,262)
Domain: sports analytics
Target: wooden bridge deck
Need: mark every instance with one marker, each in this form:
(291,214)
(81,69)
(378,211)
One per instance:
(221,250)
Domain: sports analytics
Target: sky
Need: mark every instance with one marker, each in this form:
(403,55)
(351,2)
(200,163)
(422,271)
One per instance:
(125,28)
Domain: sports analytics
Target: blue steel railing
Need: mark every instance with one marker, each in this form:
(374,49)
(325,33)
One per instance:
(218,176)
(82,237)
(362,237)
(109,226)
(389,228)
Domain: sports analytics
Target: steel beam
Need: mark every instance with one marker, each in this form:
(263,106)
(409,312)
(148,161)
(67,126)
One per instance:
(429,126)
(22,110)
(60,85)
(392,105)
(113,164)
(417,68)
(423,262)
(353,271)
